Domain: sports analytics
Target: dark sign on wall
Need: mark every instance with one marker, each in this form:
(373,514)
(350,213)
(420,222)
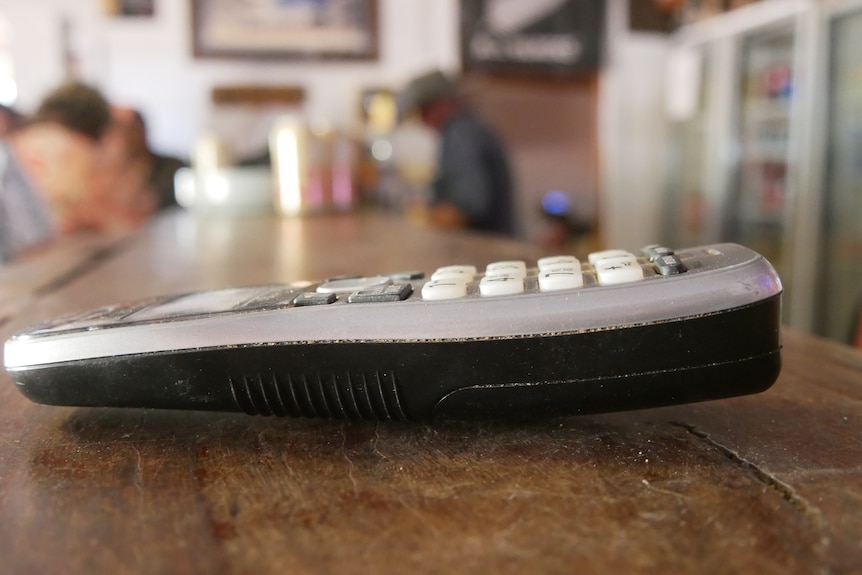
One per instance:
(545,36)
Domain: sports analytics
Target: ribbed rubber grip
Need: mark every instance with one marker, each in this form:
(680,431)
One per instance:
(344,396)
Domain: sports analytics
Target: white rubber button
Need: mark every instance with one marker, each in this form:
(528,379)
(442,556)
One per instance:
(595,257)
(465,273)
(435,290)
(495,285)
(610,271)
(554,261)
(509,268)
(560,277)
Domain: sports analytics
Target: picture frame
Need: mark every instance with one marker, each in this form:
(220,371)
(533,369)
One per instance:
(535,37)
(288,30)
(131,8)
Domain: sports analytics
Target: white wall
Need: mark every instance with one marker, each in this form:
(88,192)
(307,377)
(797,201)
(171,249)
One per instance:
(147,62)
(632,134)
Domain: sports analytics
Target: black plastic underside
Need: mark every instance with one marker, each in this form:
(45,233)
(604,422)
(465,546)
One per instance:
(719,355)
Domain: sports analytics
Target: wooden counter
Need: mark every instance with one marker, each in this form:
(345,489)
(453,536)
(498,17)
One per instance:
(770,483)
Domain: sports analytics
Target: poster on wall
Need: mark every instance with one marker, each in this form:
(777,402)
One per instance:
(560,37)
(289,29)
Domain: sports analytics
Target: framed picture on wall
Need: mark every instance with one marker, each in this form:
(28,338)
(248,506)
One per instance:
(129,7)
(560,37)
(285,29)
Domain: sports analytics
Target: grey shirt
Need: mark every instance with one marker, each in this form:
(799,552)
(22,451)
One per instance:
(24,217)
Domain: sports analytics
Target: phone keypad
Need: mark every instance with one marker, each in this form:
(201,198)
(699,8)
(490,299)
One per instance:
(314,298)
(618,270)
(444,288)
(560,277)
(551,274)
(517,269)
(391,292)
(461,273)
(501,284)
(502,278)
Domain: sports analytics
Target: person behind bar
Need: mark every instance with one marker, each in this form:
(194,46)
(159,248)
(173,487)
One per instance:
(473,184)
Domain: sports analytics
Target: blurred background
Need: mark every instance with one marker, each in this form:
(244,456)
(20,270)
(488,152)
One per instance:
(628,122)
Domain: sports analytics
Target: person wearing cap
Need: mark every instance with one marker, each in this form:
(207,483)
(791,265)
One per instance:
(473,184)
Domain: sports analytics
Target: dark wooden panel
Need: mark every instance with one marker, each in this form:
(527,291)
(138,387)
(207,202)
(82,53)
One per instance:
(550,127)
(291,95)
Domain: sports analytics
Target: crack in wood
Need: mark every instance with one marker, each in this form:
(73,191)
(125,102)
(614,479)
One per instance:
(93,261)
(811,513)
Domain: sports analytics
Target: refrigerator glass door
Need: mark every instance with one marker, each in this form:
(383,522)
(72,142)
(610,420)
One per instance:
(758,204)
(840,293)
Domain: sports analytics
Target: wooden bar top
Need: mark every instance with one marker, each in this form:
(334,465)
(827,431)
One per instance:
(769,483)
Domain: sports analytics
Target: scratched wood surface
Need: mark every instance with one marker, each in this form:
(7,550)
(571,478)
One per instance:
(770,483)
(44,270)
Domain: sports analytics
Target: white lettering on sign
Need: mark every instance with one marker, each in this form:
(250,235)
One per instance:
(549,48)
(545,48)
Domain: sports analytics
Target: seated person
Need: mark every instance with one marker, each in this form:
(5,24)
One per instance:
(69,154)
(159,169)
(10,120)
(25,221)
(473,185)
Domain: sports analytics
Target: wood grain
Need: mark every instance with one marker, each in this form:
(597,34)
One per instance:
(770,483)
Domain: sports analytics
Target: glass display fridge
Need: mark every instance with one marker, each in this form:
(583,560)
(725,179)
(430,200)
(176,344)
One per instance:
(838,292)
(735,153)
(758,212)
(771,154)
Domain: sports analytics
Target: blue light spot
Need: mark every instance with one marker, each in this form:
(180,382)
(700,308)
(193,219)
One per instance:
(556,203)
